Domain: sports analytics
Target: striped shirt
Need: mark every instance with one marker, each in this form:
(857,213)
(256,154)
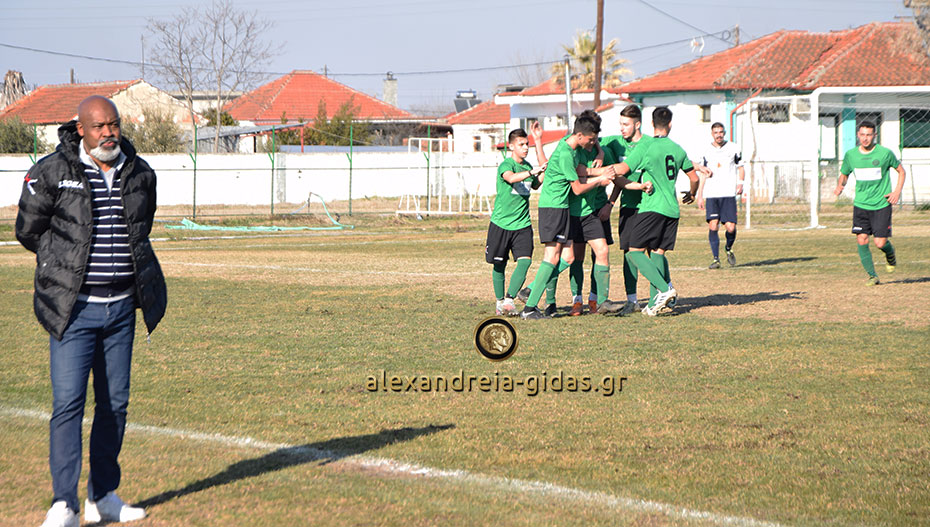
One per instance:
(110,272)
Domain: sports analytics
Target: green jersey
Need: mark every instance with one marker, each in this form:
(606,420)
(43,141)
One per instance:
(512,205)
(591,201)
(616,150)
(660,160)
(872,176)
(560,172)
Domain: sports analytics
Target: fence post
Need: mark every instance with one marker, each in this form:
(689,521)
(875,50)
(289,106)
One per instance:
(429,149)
(351,140)
(194,159)
(271,156)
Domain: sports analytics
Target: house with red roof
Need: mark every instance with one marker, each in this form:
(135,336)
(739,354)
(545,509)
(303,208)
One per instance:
(296,97)
(51,106)
(479,128)
(766,92)
(546,103)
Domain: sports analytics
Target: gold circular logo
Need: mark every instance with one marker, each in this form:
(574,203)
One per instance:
(495,339)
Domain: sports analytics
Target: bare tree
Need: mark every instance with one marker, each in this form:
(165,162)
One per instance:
(219,48)
(921,10)
(175,52)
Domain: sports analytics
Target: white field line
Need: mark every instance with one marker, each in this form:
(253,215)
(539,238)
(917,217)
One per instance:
(312,269)
(527,487)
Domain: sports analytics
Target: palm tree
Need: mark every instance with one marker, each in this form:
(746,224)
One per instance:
(582,53)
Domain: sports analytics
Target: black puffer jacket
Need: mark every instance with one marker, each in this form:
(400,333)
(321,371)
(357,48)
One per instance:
(55,221)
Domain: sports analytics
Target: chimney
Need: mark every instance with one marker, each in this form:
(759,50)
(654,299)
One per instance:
(390,89)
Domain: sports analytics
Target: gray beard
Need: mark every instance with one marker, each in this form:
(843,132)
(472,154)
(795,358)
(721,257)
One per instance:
(105,154)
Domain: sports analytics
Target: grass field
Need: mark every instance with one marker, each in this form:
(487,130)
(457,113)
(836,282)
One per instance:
(783,391)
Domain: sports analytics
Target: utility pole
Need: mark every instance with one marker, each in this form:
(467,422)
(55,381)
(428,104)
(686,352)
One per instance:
(736,35)
(568,93)
(598,53)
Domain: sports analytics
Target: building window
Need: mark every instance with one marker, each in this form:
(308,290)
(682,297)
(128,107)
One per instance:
(477,139)
(773,112)
(705,113)
(915,128)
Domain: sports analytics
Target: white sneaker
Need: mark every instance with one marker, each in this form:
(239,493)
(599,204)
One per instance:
(60,515)
(112,509)
(508,307)
(663,299)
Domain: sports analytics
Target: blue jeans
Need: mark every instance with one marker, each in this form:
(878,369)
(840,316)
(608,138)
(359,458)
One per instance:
(99,339)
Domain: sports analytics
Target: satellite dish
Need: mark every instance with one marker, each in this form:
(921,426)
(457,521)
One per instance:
(697,44)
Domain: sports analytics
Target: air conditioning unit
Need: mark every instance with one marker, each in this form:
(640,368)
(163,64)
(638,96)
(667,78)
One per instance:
(801,107)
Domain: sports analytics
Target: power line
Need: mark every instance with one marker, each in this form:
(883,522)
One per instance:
(717,35)
(675,18)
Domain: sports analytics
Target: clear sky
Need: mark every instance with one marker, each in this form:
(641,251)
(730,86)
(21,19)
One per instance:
(426,43)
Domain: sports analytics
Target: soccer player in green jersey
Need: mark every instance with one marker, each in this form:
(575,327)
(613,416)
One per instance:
(561,178)
(655,226)
(872,206)
(510,230)
(585,227)
(618,148)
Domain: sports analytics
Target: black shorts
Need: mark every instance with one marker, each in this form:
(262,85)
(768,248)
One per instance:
(626,227)
(553,225)
(722,209)
(874,222)
(586,228)
(501,242)
(652,231)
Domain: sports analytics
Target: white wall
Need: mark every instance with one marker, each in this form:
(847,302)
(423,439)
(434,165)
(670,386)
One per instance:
(235,179)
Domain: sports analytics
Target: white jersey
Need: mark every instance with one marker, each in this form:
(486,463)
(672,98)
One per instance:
(724,162)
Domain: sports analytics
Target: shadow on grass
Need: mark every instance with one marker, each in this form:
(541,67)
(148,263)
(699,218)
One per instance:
(776,261)
(322,452)
(920,280)
(685,305)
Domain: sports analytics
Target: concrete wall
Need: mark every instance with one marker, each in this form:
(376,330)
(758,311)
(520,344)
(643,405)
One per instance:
(234,179)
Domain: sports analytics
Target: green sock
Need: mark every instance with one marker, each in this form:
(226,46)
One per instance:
(865,256)
(551,286)
(543,274)
(576,274)
(629,278)
(593,279)
(888,249)
(602,279)
(518,277)
(497,278)
(553,282)
(644,265)
(662,264)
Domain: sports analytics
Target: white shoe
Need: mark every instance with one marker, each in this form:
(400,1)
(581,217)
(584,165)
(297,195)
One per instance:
(509,308)
(663,299)
(650,311)
(60,515)
(112,509)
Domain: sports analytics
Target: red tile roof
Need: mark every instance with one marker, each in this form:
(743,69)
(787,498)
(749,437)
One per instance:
(552,86)
(485,113)
(548,136)
(57,103)
(298,94)
(876,54)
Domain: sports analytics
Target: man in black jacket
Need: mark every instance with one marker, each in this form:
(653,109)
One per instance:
(86,211)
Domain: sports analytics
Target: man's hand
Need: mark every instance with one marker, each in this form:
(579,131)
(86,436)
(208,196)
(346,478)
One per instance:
(647,187)
(537,171)
(604,213)
(893,198)
(597,163)
(739,189)
(687,197)
(839,190)
(701,203)
(704,171)
(536,130)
